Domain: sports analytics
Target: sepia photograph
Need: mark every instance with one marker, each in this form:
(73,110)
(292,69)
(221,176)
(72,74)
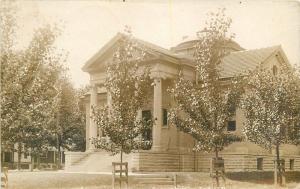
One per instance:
(160,94)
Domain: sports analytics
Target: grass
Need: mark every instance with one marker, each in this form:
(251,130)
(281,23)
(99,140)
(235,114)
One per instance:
(61,180)
(265,177)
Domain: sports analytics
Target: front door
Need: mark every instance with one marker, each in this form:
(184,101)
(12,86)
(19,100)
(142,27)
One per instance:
(147,134)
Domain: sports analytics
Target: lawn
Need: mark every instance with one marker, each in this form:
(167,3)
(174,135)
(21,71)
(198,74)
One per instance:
(61,180)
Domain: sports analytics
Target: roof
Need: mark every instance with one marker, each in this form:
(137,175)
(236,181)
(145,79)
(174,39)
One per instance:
(235,63)
(240,62)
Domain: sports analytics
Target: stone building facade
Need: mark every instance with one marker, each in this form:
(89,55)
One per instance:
(172,149)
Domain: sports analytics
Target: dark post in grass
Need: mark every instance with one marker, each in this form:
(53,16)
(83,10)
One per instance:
(217,170)
(279,172)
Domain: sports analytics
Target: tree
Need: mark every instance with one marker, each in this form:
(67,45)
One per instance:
(271,107)
(294,129)
(211,102)
(68,123)
(8,66)
(128,86)
(28,77)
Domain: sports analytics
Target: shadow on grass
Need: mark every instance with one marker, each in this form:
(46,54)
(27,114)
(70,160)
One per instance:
(262,177)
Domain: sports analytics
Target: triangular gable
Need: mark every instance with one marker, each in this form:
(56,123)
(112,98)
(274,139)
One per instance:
(101,52)
(240,62)
(151,49)
(279,55)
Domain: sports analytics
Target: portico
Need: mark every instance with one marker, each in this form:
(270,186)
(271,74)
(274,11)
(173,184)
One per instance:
(156,104)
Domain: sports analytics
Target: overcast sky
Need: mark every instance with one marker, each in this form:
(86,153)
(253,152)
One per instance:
(88,25)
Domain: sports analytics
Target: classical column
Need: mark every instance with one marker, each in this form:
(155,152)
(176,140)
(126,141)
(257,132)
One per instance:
(93,126)
(87,125)
(109,105)
(157,114)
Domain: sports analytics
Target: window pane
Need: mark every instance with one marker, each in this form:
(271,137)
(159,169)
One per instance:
(165,117)
(231,126)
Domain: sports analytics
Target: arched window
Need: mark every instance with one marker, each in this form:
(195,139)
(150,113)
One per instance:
(274,69)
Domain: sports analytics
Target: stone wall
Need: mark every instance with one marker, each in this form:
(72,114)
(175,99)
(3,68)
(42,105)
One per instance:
(149,161)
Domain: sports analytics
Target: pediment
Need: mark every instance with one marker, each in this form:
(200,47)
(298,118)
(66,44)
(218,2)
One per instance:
(105,54)
(277,58)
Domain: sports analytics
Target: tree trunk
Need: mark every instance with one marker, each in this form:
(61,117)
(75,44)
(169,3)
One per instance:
(59,153)
(31,161)
(19,155)
(279,174)
(121,166)
(38,159)
(217,172)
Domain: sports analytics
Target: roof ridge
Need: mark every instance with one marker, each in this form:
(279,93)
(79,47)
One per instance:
(248,50)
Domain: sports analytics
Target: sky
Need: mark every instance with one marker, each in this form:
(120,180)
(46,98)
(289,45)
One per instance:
(88,25)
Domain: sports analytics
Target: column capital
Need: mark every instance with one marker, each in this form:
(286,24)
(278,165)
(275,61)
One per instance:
(157,79)
(158,75)
(97,85)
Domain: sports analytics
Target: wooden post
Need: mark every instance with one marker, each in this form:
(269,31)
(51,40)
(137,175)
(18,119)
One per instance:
(113,175)
(175,181)
(118,168)
(217,169)
(275,173)
(282,171)
(4,178)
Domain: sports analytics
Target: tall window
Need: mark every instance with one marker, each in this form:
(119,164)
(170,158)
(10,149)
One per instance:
(274,69)
(147,133)
(25,155)
(8,157)
(260,163)
(165,117)
(292,163)
(231,126)
(232,110)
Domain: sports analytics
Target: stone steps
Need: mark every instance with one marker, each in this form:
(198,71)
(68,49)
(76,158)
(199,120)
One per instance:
(96,162)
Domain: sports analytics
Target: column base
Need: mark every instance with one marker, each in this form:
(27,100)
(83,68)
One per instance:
(91,150)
